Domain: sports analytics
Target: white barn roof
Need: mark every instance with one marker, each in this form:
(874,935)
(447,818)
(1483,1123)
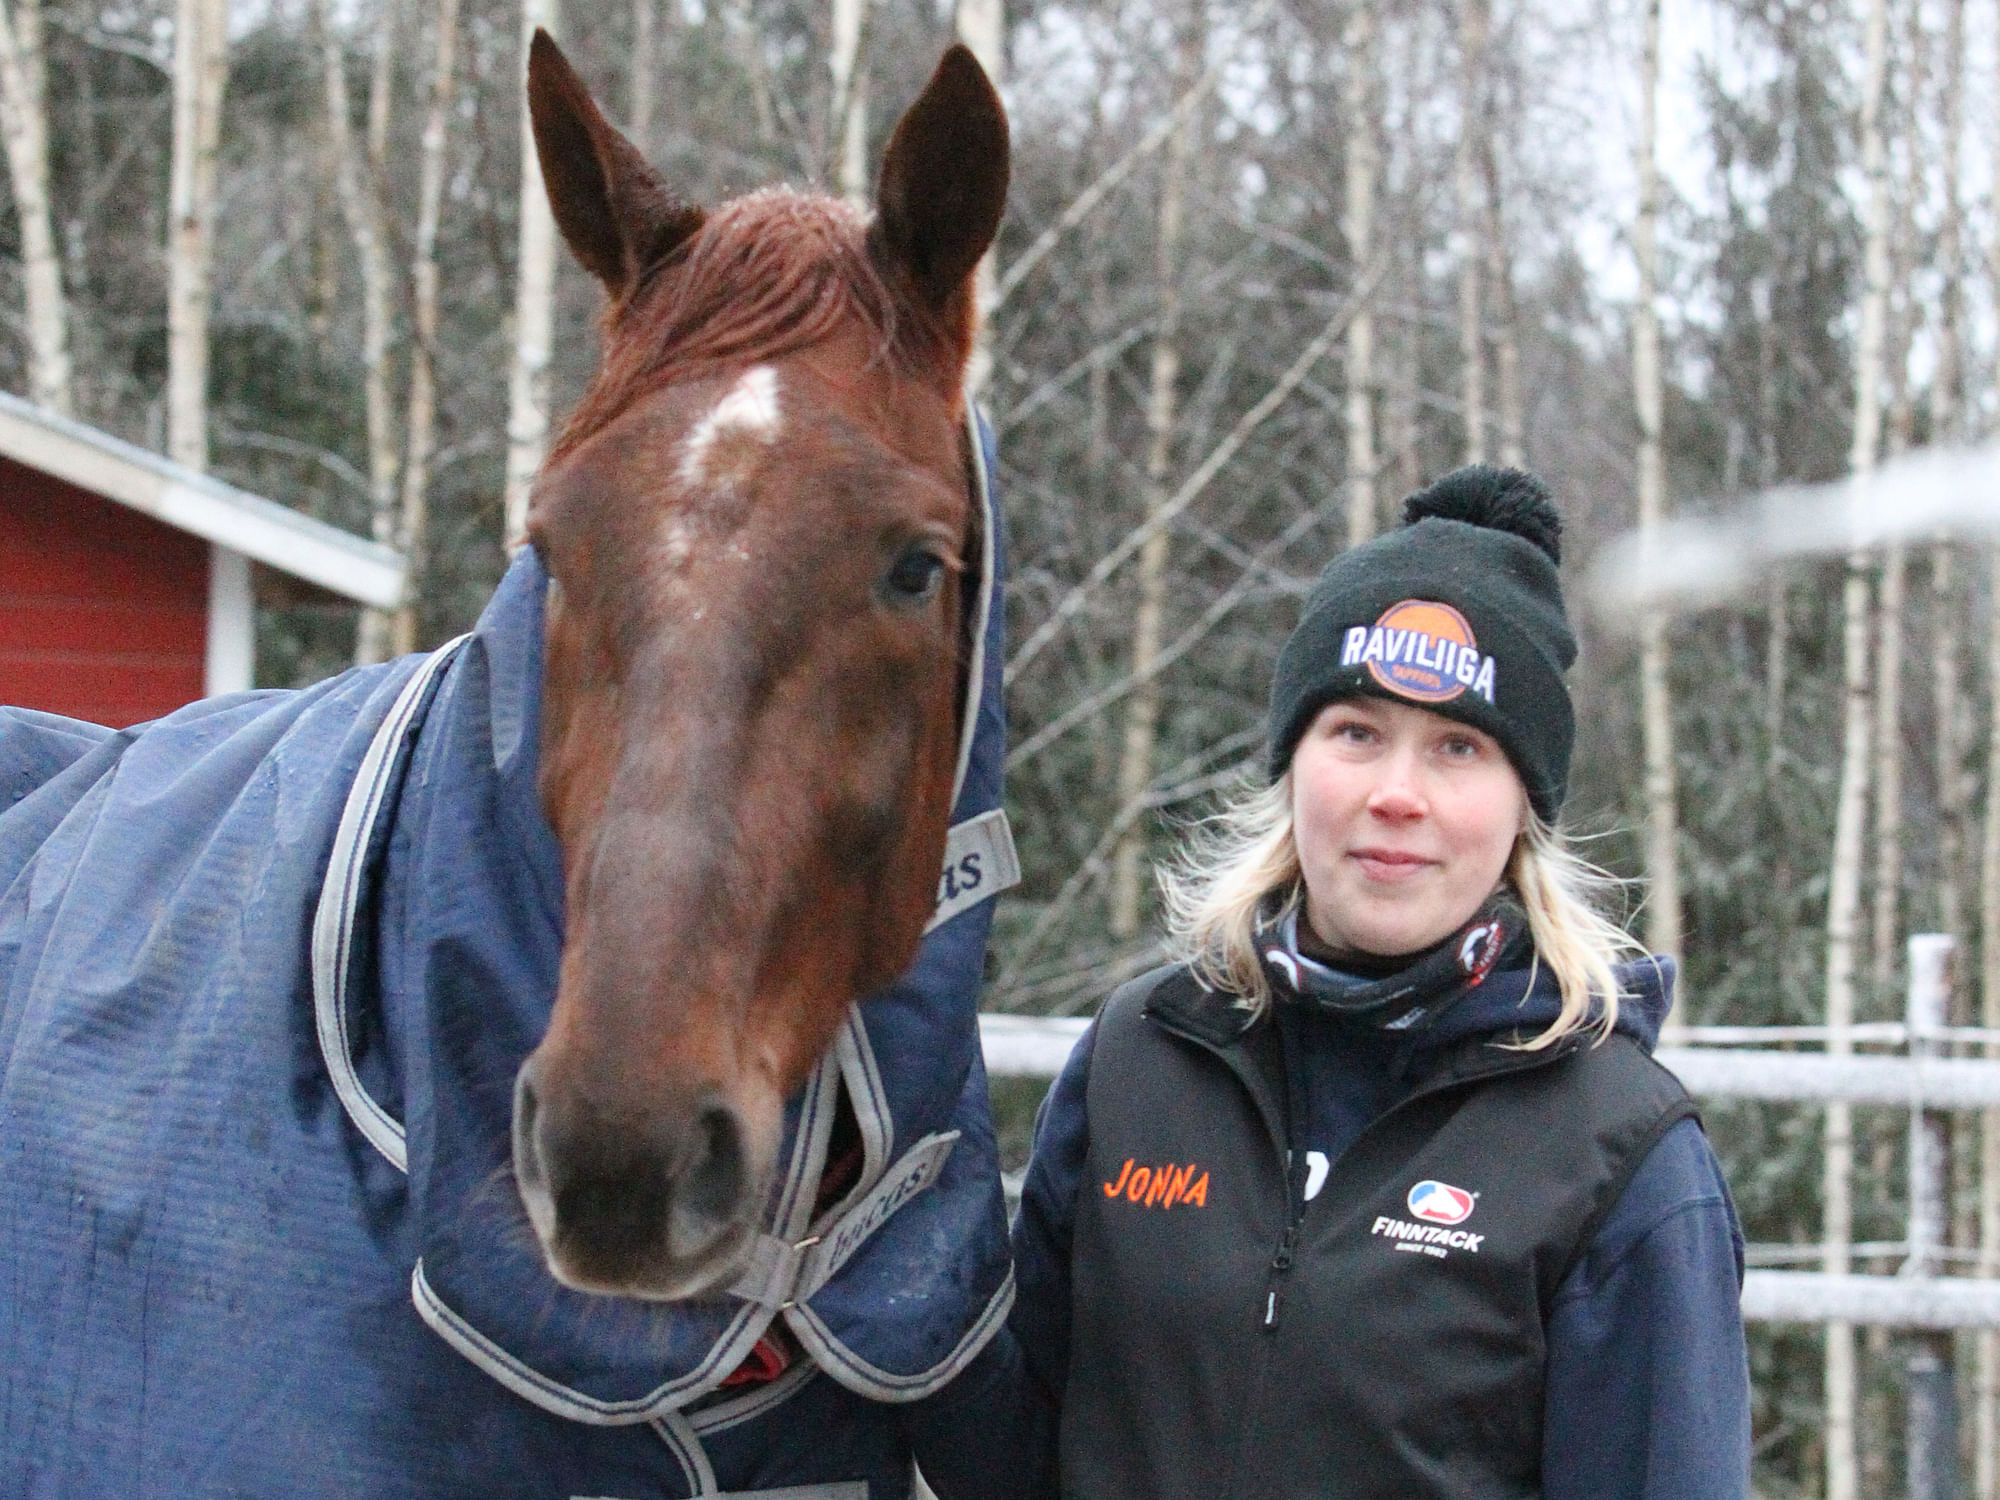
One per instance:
(263,530)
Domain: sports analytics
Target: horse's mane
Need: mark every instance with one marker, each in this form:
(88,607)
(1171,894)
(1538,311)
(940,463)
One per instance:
(767,273)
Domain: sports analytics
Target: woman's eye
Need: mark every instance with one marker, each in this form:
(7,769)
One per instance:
(914,577)
(1460,748)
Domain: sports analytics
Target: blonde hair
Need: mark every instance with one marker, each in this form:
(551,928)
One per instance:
(1238,876)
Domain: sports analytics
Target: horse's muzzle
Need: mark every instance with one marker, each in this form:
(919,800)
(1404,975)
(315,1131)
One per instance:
(640,1206)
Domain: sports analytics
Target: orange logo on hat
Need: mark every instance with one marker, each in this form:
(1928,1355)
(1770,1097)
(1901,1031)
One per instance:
(1421,650)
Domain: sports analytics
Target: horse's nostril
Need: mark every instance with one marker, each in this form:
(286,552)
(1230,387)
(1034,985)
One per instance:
(617,1200)
(713,1186)
(528,1170)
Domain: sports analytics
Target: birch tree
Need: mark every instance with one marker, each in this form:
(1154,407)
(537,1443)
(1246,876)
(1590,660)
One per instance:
(1778,610)
(24,124)
(1097,443)
(201,41)
(982,26)
(1142,713)
(420,422)
(1892,590)
(1473,21)
(1364,153)
(740,18)
(847,114)
(1663,907)
(358,174)
(1949,424)
(1405,415)
(1891,602)
(645,34)
(1507,394)
(534,306)
(1987,1395)
(1844,878)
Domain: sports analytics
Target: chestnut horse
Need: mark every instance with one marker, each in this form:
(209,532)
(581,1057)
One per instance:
(561,1158)
(756,524)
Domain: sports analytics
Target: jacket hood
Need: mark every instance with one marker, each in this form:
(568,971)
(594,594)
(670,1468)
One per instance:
(1527,999)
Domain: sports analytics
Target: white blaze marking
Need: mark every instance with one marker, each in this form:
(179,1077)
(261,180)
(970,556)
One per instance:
(750,407)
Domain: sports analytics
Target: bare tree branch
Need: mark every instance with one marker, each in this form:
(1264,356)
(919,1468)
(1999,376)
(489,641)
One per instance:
(1107,181)
(1192,487)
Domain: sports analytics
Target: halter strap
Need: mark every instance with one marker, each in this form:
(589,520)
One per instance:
(781,1273)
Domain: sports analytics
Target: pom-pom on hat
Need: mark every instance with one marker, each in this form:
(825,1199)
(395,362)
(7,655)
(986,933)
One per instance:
(1458,611)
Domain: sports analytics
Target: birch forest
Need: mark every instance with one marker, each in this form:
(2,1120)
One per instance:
(1269,266)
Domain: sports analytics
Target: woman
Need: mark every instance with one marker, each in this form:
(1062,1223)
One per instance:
(1379,1192)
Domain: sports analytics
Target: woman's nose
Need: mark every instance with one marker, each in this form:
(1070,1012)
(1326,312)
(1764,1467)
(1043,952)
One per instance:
(1398,792)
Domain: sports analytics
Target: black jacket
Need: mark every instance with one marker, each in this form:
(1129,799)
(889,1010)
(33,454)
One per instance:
(1415,1288)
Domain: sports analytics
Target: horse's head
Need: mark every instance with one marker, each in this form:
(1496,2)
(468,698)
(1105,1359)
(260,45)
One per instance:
(757,525)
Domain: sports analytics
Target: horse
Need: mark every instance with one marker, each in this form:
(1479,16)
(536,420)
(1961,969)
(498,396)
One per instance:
(549,1066)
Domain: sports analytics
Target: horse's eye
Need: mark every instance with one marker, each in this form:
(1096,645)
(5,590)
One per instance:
(914,577)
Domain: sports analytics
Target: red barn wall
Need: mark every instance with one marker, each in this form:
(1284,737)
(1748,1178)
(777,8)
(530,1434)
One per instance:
(103,611)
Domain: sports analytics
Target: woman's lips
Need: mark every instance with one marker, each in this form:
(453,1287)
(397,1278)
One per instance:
(1390,865)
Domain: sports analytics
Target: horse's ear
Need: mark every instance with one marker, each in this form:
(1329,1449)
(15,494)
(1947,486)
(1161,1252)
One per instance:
(613,209)
(944,184)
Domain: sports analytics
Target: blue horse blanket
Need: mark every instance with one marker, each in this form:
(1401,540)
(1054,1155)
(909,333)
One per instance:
(216,1277)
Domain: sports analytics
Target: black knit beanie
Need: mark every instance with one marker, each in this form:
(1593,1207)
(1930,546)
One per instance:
(1458,611)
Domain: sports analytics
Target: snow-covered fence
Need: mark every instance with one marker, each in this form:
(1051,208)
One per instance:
(1028,1046)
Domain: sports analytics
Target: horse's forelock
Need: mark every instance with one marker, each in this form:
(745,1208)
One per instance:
(769,273)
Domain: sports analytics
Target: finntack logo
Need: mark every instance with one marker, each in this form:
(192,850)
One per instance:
(1421,650)
(1443,1206)
(1441,1203)
(1427,1239)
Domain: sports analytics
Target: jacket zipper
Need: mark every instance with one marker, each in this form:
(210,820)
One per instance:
(1293,1167)
(1294,1164)
(1288,1242)
(1281,1265)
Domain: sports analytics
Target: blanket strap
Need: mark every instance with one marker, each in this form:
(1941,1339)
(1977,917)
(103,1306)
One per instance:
(333,921)
(979,863)
(782,1273)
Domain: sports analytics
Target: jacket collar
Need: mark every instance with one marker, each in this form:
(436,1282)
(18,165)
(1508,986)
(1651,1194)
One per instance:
(1247,1044)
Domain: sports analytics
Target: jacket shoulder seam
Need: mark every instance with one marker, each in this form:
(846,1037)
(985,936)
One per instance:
(1566,1295)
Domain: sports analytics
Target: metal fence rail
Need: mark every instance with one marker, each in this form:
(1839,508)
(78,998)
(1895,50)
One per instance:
(1933,1302)
(1028,1046)
(1821,1078)
(1037,1047)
